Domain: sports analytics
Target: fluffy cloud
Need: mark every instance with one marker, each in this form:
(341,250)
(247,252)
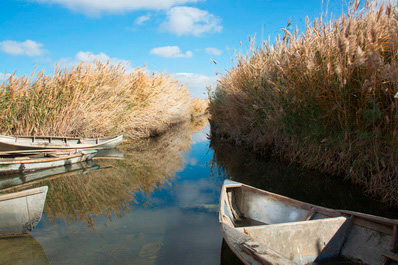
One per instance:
(96,7)
(28,47)
(184,20)
(197,83)
(140,20)
(171,52)
(89,57)
(213,51)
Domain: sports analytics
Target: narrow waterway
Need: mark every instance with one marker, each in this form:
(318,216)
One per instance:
(158,205)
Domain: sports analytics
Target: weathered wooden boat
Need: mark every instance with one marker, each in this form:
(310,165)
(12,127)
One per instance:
(266,228)
(30,161)
(26,179)
(21,211)
(11,143)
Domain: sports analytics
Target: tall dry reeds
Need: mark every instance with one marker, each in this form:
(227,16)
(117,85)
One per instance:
(93,100)
(324,99)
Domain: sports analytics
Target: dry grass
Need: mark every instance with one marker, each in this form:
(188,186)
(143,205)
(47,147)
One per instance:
(324,99)
(93,100)
(199,107)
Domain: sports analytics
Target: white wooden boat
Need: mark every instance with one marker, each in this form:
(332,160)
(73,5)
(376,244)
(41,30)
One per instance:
(26,179)
(21,211)
(13,143)
(266,228)
(26,162)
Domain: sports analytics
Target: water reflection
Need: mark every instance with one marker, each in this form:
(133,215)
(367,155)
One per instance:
(28,179)
(23,250)
(156,206)
(293,181)
(146,166)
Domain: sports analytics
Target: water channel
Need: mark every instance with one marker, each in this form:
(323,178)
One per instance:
(158,205)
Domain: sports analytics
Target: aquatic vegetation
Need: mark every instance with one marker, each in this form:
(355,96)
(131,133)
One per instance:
(94,100)
(325,99)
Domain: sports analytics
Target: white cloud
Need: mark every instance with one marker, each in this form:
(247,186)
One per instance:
(98,7)
(89,57)
(140,20)
(28,47)
(213,51)
(184,20)
(171,52)
(197,83)
(4,77)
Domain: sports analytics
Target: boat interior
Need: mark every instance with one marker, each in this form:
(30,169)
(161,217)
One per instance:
(299,233)
(55,140)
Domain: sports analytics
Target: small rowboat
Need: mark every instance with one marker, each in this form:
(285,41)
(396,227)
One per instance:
(14,143)
(21,211)
(266,228)
(11,163)
(26,179)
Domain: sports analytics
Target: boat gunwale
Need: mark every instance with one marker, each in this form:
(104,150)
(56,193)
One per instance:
(74,146)
(58,137)
(52,177)
(44,159)
(24,193)
(319,209)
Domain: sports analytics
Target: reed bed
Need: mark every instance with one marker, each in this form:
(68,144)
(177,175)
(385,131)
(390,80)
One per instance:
(93,100)
(325,99)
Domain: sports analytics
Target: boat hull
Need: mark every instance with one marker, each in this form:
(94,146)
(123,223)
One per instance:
(27,165)
(20,212)
(10,143)
(29,178)
(266,228)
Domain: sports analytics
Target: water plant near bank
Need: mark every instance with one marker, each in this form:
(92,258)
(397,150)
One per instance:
(325,99)
(94,100)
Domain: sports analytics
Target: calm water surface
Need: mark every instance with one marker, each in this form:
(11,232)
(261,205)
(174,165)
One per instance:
(159,204)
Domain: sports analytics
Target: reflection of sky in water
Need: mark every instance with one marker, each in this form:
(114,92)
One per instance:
(201,136)
(175,224)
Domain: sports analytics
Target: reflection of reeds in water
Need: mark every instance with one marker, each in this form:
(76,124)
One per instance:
(147,165)
(22,250)
(291,180)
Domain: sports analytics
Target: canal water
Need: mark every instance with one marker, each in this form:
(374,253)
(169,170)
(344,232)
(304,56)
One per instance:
(158,204)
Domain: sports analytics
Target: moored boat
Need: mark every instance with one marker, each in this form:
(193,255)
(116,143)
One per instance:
(11,163)
(14,143)
(266,228)
(21,211)
(26,179)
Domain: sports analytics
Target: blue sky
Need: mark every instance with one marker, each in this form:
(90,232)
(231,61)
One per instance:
(178,37)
